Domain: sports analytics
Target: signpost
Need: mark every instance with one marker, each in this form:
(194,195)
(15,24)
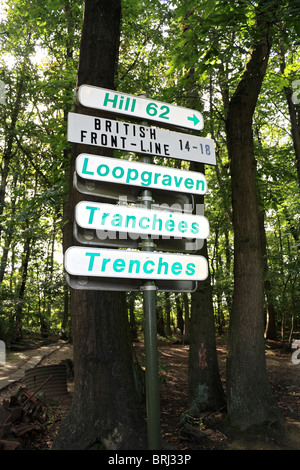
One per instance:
(118,135)
(139,107)
(102,268)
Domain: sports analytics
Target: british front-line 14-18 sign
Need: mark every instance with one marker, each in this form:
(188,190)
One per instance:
(139,107)
(136,138)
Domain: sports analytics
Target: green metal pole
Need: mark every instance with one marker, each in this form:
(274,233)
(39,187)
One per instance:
(151,349)
(151,357)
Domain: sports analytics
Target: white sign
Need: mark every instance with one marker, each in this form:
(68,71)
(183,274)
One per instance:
(99,262)
(91,130)
(139,107)
(115,170)
(129,219)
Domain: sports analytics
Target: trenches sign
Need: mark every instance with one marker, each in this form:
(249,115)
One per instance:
(100,262)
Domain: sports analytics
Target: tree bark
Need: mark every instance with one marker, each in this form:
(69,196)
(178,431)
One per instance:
(104,411)
(204,384)
(205,388)
(249,398)
(18,333)
(294,112)
(9,140)
(179,312)
(186,331)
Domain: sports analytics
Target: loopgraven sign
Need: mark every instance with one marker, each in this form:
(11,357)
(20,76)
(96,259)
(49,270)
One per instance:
(144,175)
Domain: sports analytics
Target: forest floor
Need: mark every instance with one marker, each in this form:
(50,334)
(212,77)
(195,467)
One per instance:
(179,430)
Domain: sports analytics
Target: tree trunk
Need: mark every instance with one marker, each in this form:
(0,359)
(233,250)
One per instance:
(270,329)
(204,383)
(168,314)
(294,110)
(186,332)
(18,334)
(104,411)
(9,139)
(179,313)
(205,388)
(9,234)
(249,398)
(132,321)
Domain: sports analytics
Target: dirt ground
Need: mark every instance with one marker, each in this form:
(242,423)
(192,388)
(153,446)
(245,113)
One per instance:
(179,430)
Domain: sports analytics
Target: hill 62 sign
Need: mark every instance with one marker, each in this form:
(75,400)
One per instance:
(139,107)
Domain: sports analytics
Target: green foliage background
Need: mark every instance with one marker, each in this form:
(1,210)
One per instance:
(187,53)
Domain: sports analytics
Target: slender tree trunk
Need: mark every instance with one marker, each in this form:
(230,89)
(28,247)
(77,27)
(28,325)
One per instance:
(9,235)
(67,155)
(168,314)
(294,110)
(104,409)
(204,383)
(249,398)
(8,150)
(270,329)
(132,321)
(18,334)
(205,388)
(186,332)
(179,312)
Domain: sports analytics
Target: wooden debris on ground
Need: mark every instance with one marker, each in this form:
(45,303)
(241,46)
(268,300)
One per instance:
(20,416)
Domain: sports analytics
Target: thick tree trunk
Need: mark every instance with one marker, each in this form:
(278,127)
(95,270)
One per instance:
(104,410)
(249,398)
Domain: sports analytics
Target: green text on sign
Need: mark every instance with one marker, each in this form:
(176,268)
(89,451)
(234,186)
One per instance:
(100,262)
(119,171)
(130,219)
(139,107)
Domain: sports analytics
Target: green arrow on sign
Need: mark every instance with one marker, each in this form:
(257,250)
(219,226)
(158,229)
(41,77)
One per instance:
(194,119)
